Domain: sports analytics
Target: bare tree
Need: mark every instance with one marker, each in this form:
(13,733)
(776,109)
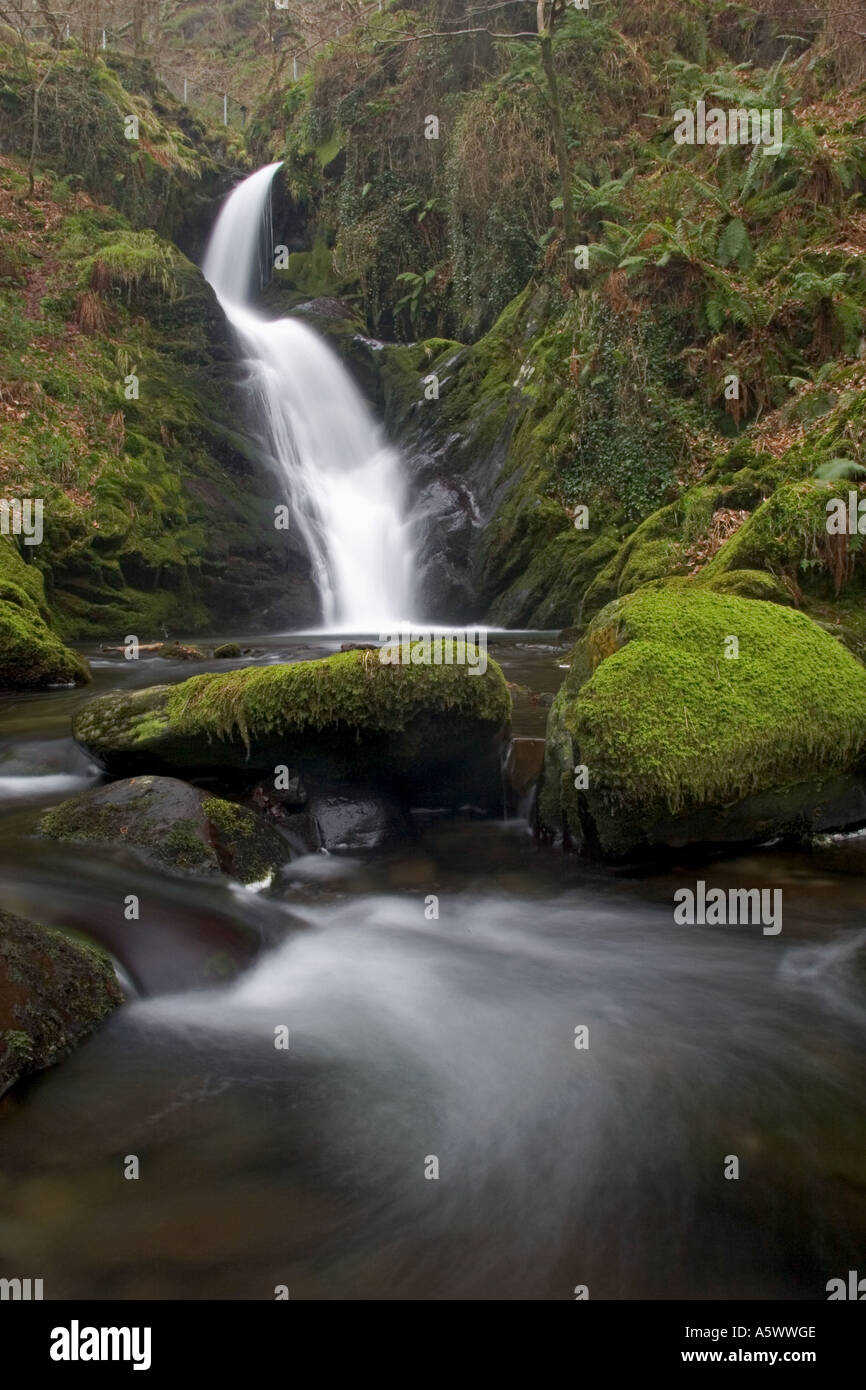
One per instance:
(24,20)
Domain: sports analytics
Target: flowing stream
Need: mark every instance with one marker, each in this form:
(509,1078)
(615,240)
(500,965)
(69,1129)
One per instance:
(343,482)
(432,1130)
(452,1038)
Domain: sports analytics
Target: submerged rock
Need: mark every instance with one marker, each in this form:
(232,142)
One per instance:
(700,717)
(434,731)
(54,990)
(173,825)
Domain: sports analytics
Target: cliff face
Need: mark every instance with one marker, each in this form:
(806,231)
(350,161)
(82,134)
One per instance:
(119,379)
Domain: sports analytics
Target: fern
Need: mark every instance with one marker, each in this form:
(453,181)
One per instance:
(837,469)
(734,245)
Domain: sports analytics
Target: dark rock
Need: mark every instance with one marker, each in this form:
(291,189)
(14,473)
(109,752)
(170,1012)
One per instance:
(173,825)
(365,820)
(54,990)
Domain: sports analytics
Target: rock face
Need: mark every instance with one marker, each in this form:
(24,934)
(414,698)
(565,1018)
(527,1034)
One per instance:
(704,718)
(436,732)
(53,991)
(173,825)
(31,655)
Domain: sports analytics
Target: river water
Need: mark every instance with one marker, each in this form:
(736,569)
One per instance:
(453,1039)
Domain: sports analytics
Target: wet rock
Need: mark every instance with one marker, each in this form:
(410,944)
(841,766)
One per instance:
(229,651)
(436,732)
(54,990)
(172,825)
(175,651)
(362,821)
(523,764)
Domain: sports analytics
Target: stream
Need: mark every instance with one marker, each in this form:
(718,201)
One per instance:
(452,1039)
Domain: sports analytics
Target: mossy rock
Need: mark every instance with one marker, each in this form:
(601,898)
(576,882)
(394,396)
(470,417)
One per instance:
(787,535)
(229,651)
(31,655)
(685,745)
(176,651)
(437,729)
(54,990)
(174,826)
(756,584)
(652,551)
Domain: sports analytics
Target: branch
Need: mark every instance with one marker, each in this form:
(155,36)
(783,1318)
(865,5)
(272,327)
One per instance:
(455,33)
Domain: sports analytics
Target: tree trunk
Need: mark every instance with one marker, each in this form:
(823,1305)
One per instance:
(560,144)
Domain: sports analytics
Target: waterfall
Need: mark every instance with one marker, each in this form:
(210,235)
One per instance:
(343,482)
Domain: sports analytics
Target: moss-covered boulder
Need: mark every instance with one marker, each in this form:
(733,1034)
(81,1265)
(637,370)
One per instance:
(700,717)
(54,990)
(173,825)
(436,730)
(31,655)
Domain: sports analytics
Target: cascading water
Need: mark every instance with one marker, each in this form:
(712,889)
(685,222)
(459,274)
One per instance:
(343,482)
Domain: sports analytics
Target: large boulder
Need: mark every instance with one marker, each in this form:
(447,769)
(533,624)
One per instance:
(435,731)
(54,990)
(689,736)
(174,826)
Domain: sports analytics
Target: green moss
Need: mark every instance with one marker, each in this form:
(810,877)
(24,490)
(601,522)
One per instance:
(31,655)
(249,849)
(353,690)
(175,651)
(652,551)
(54,989)
(756,584)
(227,817)
(668,726)
(433,729)
(787,536)
(135,263)
(183,848)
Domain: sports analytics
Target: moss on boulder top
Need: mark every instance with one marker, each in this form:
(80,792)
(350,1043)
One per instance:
(54,990)
(173,825)
(684,743)
(347,716)
(31,655)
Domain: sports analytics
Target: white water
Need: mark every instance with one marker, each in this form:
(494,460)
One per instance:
(343,482)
